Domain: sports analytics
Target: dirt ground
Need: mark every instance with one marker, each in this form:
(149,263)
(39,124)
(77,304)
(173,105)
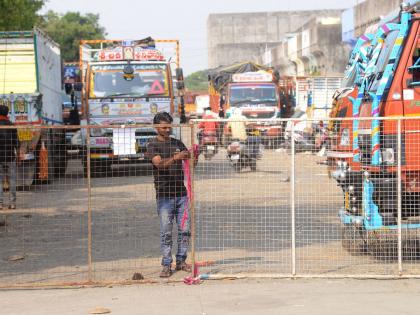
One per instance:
(243,225)
(311,296)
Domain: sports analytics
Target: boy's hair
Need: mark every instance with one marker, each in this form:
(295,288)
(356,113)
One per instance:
(162,117)
(4,110)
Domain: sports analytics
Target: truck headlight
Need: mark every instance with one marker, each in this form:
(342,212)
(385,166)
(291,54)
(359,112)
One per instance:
(345,137)
(388,156)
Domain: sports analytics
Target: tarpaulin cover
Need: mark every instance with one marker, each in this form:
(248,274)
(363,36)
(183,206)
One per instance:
(220,76)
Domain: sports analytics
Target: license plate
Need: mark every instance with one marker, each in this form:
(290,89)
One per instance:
(210,147)
(234,157)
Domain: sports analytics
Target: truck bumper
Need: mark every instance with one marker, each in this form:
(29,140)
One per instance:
(409,227)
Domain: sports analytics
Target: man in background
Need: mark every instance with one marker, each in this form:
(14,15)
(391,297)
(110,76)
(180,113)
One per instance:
(8,153)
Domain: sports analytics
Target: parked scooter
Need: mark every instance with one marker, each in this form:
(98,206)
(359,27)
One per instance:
(208,144)
(308,137)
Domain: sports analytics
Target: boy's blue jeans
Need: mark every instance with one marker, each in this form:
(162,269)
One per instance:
(168,209)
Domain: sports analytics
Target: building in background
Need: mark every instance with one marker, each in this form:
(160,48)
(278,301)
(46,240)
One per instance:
(297,43)
(244,36)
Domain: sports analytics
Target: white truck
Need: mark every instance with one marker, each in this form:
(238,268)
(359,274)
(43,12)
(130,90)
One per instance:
(30,85)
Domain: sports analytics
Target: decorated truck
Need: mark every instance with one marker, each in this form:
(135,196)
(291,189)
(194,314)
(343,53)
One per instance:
(254,90)
(30,85)
(375,156)
(124,83)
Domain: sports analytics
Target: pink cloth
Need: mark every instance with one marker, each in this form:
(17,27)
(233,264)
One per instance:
(188,182)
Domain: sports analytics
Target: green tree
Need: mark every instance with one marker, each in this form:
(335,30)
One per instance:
(197,81)
(68,29)
(19,15)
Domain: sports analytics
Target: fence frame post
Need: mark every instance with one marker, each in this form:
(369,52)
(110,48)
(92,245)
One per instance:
(399,196)
(89,188)
(292,198)
(192,201)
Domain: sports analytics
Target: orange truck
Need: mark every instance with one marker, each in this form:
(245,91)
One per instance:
(251,88)
(382,81)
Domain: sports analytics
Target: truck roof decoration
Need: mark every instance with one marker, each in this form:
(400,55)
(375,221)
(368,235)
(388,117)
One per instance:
(120,50)
(220,76)
(259,76)
(137,52)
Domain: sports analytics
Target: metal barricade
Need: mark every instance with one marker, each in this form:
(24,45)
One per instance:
(298,204)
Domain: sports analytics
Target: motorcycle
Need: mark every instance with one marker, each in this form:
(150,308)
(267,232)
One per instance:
(208,144)
(243,154)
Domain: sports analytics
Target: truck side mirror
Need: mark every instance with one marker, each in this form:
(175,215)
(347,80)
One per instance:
(68,88)
(276,76)
(409,82)
(179,79)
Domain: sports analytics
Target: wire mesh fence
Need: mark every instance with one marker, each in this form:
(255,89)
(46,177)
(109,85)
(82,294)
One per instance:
(305,200)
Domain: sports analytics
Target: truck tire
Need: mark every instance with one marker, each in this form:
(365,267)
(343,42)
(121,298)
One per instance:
(253,164)
(237,166)
(385,248)
(60,157)
(100,168)
(352,240)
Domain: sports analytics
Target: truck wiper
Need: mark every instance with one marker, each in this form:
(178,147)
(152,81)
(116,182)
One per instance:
(122,95)
(242,101)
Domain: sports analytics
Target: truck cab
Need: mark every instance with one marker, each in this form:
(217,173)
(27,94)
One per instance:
(370,178)
(257,96)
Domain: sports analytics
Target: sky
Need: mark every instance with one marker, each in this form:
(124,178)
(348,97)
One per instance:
(178,19)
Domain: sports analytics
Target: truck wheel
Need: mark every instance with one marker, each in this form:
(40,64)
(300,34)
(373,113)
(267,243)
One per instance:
(253,165)
(352,241)
(237,166)
(60,157)
(385,248)
(100,168)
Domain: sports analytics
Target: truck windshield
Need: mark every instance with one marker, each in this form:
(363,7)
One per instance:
(349,79)
(109,81)
(255,94)
(383,59)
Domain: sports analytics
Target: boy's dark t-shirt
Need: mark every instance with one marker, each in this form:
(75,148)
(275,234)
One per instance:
(168,182)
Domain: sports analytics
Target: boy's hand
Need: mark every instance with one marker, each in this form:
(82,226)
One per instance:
(184,155)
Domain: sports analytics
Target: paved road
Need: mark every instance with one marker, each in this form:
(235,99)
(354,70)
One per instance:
(225,297)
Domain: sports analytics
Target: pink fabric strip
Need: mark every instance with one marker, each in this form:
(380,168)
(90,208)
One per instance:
(187,177)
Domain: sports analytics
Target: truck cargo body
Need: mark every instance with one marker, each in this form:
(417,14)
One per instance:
(30,85)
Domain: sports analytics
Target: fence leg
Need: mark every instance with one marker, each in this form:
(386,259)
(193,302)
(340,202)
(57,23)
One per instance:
(400,270)
(89,188)
(292,199)
(192,204)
